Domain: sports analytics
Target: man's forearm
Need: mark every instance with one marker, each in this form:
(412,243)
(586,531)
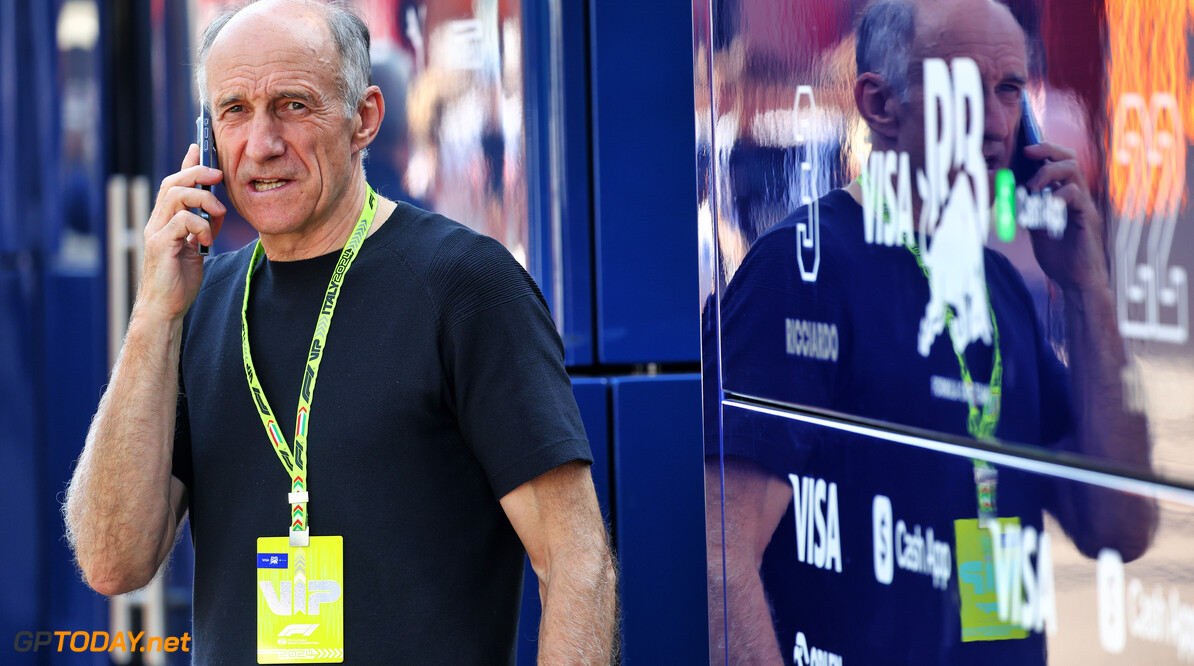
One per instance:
(1105,428)
(751,637)
(119,512)
(580,609)
(754,503)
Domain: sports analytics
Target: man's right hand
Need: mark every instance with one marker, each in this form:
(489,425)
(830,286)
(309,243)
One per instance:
(173,268)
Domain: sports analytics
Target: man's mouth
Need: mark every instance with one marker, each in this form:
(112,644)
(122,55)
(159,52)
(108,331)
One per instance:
(267,184)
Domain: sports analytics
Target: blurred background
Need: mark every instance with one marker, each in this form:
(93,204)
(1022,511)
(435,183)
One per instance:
(562,129)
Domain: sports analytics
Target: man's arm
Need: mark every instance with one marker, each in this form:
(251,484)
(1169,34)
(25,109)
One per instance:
(755,502)
(123,505)
(1096,517)
(559,522)
(1103,427)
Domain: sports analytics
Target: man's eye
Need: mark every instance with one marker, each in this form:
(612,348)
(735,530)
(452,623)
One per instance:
(296,106)
(235,108)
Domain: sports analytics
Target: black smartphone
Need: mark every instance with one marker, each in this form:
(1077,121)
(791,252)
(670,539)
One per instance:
(207,158)
(1029,134)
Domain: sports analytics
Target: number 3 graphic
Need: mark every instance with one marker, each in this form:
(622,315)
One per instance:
(808,233)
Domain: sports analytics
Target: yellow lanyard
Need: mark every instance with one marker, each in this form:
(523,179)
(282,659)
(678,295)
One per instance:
(295,460)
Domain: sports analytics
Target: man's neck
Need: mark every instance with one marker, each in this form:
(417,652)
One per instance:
(328,237)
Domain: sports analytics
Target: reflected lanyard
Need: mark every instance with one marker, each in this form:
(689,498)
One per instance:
(295,461)
(980,424)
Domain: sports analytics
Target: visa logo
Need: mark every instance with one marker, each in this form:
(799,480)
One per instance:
(1021,574)
(818,533)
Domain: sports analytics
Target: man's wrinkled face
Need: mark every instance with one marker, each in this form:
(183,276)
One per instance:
(284,143)
(989,35)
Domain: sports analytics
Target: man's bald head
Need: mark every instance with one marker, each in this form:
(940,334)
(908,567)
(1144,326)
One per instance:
(342,24)
(891,35)
(944,26)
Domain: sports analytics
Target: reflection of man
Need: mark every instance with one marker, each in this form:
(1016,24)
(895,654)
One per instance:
(442,436)
(861,340)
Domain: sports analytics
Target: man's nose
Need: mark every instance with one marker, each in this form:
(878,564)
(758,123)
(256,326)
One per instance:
(265,140)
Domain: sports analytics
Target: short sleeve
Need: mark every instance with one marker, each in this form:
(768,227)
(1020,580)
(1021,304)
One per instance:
(783,338)
(504,363)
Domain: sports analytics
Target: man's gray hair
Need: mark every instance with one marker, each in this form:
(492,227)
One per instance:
(349,33)
(884,40)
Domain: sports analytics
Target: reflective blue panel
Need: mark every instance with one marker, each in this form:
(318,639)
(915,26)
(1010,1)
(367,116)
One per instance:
(592,398)
(983,237)
(21,607)
(51,294)
(942,232)
(657,518)
(871,542)
(557,105)
(75,373)
(710,281)
(643,197)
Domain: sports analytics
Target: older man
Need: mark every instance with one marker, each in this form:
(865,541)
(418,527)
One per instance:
(442,437)
(910,320)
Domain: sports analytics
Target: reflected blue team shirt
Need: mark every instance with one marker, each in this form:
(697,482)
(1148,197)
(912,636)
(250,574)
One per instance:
(847,342)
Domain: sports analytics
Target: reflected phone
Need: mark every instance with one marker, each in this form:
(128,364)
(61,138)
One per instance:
(207,158)
(1029,134)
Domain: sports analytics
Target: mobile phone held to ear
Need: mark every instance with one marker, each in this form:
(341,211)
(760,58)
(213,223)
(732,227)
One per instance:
(1029,134)
(207,158)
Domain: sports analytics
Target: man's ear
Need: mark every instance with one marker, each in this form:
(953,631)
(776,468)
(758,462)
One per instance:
(370,112)
(878,105)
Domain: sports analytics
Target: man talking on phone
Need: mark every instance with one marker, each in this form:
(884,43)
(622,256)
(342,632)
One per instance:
(365,413)
(909,319)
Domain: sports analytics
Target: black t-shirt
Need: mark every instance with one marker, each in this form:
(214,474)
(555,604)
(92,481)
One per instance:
(847,342)
(442,388)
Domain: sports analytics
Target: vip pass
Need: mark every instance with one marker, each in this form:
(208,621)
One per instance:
(294,460)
